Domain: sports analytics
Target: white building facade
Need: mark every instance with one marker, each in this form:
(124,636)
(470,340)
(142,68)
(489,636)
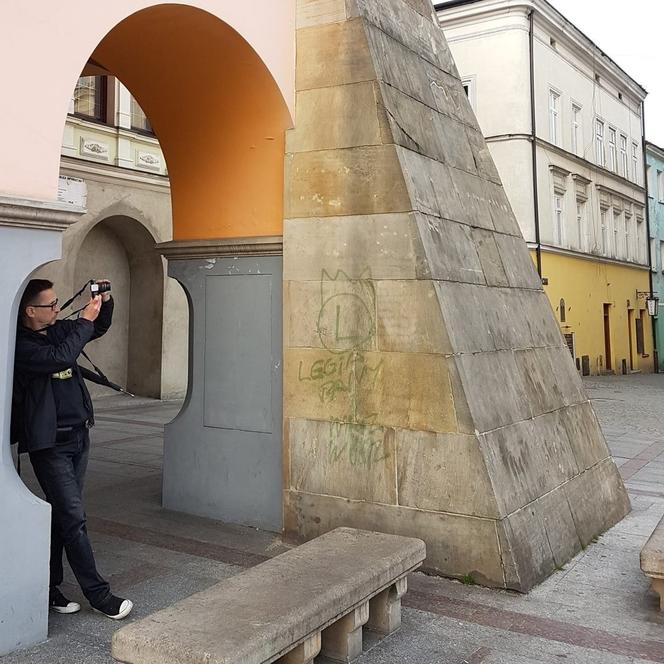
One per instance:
(564,124)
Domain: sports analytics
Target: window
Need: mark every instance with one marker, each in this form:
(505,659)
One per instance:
(557,219)
(576,128)
(613,153)
(469,88)
(624,170)
(628,236)
(554,117)
(653,254)
(635,163)
(660,186)
(649,184)
(604,232)
(661,257)
(90,97)
(599,143)
(618,248)
(580,225)
(138,118)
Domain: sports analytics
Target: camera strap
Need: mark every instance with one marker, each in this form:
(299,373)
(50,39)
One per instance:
(97,376)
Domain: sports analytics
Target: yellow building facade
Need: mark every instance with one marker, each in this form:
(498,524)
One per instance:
(601,310)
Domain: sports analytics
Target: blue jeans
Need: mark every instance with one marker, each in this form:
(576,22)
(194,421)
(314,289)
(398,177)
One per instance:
(60,471)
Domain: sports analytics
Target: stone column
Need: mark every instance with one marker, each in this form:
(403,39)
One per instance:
(304,653)
(428,389)
(342,641)
(385,608)
(222,453)
(30,235)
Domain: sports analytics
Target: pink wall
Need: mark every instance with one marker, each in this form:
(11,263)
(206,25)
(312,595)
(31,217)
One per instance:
(44,46)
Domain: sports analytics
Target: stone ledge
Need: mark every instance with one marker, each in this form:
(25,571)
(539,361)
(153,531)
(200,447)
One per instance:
(45,215)
(214,248)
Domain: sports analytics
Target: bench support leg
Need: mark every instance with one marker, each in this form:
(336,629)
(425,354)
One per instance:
(385,609)
(658,587)
(342,642)
(304,653)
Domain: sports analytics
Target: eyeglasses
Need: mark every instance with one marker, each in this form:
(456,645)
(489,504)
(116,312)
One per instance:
(51,306)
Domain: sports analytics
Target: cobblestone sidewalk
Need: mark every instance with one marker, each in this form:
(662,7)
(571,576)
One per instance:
(598,609)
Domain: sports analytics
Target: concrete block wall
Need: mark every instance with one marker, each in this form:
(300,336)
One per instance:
(427,388)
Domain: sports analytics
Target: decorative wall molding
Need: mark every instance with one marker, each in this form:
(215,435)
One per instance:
(94,148)
(45,215)
(214,248)
(148,160)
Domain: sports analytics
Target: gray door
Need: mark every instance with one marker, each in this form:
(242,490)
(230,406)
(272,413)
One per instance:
(222,454)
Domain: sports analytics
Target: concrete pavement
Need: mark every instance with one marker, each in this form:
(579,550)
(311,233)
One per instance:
(597,609)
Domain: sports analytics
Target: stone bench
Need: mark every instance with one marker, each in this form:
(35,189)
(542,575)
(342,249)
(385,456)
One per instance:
(313,598)
(652,561)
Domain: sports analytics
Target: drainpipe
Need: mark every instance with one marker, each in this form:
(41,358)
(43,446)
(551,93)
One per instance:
(645,176)
(533,140)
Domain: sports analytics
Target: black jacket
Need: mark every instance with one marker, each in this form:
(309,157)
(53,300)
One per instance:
(34,417)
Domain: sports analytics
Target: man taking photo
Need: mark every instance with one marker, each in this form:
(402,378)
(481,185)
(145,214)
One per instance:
(51,417)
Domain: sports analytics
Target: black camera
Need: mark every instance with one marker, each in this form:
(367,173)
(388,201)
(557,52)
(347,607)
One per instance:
(98,289)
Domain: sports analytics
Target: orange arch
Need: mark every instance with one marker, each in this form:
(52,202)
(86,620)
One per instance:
(218,113)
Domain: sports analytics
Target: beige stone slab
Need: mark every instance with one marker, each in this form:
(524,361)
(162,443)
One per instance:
(496,396)
(387,246)
(465,421)
(537,539)
(338,117)
(565,375)
(333,54)
(486,167)
(450,250)
(409,318)
(598,500)
(456,545)
(337,312)
(490,261)
(410,24)
(443,473)
(318,12)
(434,192)
(584,434)
(423,129)
(339,459)
(462,307)
(541,321)
(407,390)
(501,211)
(481,201)
(351,181)
(539,378)
(526,460)
(519,266)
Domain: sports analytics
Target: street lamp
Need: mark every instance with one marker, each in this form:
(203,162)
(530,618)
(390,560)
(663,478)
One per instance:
(652,303)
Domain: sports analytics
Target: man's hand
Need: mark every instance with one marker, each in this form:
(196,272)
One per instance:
(107,295)
(92,308)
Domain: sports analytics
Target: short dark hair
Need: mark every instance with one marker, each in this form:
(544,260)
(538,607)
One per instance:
(32,290)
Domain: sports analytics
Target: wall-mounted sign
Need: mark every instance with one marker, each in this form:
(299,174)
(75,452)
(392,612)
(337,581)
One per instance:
(73,191)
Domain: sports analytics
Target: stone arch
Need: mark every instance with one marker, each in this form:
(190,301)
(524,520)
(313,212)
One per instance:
(123,250)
